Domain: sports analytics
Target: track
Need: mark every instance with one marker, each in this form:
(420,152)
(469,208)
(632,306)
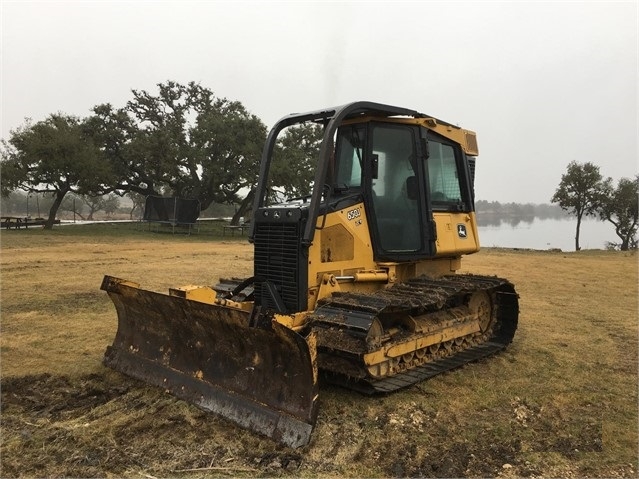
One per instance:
(344,325)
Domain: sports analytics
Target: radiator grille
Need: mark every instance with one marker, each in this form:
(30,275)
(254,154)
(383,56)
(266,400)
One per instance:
(277,257)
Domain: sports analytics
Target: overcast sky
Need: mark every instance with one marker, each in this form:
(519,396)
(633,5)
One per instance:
(542,83)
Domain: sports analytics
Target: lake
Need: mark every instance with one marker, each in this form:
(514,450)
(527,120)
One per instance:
(548,233)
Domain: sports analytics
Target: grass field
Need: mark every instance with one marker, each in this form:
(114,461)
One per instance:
(561,401)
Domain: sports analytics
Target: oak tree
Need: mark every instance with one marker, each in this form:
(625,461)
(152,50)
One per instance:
(620,206)
(54,156)
(580,192)
(181,141)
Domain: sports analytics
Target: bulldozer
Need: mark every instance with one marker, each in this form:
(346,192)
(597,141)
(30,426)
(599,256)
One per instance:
(357,284)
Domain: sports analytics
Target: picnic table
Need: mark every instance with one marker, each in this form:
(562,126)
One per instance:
(14,222)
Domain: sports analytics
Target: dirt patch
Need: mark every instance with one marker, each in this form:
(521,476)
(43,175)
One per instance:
(109,425)
(53,397)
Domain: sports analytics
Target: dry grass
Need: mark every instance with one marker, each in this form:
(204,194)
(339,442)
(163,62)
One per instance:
(561,401)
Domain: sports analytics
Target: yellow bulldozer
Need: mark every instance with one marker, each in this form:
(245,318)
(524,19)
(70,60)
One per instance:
(355,284)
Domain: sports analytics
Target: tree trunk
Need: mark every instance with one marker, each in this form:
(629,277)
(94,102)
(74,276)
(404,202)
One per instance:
(625,243)
(244,207)
(577,247)
(59,196)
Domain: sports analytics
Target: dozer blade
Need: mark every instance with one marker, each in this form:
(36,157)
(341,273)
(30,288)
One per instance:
(263,378)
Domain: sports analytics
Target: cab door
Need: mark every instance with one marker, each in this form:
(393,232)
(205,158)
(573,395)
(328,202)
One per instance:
(450,196)
(402,226)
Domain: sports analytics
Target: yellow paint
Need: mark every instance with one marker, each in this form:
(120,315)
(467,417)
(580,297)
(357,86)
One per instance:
(467,139)
(449,242)
(203,294)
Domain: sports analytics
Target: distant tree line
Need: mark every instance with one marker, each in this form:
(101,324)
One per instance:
(35,205)
(131,205)
(494,212)
(182,141)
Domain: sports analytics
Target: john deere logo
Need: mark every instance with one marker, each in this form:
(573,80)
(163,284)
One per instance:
(461,231)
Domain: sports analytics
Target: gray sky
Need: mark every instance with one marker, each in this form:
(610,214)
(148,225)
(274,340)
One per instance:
(542,83)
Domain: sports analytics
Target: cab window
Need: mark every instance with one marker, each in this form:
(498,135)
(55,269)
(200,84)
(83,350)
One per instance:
(348,157)
(443,177)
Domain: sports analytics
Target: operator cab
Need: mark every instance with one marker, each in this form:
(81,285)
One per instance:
(403,172)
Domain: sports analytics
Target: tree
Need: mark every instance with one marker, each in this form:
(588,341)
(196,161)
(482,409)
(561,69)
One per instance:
(295,159)
(292,168)
(182,141)
(116,134)
(138,201)
(94,203)
(620,206)
(107,203)
(111,204)
(73,204)
(227,141)
(580,192)
(55,156)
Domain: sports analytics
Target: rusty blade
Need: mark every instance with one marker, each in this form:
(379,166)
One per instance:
(265,380)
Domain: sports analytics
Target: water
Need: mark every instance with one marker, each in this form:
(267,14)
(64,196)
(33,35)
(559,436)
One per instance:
(548,233)
(535,234)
